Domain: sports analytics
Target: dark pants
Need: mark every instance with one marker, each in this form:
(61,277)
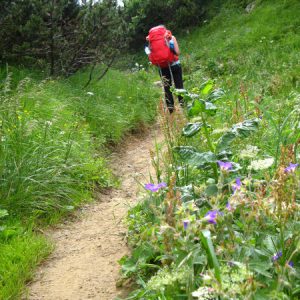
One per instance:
(167,81)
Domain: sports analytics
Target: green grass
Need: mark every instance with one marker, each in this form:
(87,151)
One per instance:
(254,56)
(121,102)
(20,251)
(53,144)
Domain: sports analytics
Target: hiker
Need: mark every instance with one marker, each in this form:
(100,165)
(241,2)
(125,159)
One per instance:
(163,51)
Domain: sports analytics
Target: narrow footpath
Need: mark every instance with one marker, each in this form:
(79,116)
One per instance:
(84,264)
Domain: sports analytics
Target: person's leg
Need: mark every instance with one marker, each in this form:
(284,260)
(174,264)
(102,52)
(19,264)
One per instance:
(177,75)
(167,82)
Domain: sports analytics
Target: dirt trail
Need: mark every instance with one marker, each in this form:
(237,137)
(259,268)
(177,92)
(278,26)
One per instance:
(84,263)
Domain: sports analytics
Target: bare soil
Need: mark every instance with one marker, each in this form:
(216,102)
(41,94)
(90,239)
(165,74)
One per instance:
(84,264)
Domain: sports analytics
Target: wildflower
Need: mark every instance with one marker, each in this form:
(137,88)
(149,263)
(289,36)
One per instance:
(206,278)
(203,292)
(48,123)
(249,152)
(225,166)
(155,187)
(186,224)
(276,256)
(261,164)
(291,168)
(237,185)
(229,207)
(211,216)
(291,264)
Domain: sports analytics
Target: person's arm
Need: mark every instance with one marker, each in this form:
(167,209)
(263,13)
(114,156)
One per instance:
(176,47)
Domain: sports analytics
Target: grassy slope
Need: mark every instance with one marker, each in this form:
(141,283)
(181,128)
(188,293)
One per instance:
(53,139)
(254,56)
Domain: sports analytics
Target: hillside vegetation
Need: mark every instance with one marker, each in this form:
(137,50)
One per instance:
(221,220)
(54,138)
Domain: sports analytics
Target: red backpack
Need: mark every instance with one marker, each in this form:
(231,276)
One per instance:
(160,55)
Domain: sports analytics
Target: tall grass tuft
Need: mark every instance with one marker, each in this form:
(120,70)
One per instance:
(53,154)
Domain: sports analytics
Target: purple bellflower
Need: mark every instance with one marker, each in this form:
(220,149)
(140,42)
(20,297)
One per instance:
(224,165)
(155,187)
(211,216)
(291,264)
(291,168)
(186,224)
(229,207)
(237,186)
(276,256)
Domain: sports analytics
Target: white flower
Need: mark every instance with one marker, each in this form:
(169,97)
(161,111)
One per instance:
(90,93)
(203,292)
(249,152)
(261,164)
(48,123)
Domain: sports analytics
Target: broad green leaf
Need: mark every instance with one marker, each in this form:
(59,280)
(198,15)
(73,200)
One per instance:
(211,190)
(199,105)
(261,267)
(269,244)
(210,252)
(191,129)
(224,155)
(210,108)
(225,141)
(240,130)
(196,107)
(186,96)
(206,87)
(192,157)
(187,193)
(215,95)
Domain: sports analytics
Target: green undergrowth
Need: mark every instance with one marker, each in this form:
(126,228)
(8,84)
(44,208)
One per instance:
(21,250)
(54,139)
(253,55)
(224,224)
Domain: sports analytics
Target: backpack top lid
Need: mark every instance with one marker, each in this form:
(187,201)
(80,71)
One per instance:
(159,38)
(159,32)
